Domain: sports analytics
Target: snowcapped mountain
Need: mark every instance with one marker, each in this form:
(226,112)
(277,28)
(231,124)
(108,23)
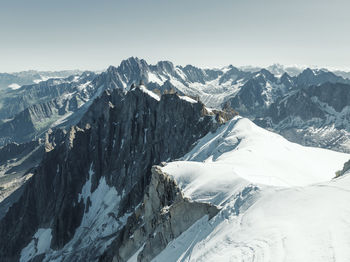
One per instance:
(94,175)
(18,79)
(277,199)
(62,101)
(30,111)
(316,115)
(111,170)
(276,69)
(100,200)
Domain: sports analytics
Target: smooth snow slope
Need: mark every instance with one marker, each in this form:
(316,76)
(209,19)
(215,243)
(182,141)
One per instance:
(277,199)
(260,156)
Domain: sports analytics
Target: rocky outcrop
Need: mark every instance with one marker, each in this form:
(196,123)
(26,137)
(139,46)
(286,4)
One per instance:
(344,171)
(162,216)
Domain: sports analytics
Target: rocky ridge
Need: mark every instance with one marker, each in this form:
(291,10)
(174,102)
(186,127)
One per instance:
(110,152)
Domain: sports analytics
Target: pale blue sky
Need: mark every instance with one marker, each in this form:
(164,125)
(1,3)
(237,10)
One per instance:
(92,34)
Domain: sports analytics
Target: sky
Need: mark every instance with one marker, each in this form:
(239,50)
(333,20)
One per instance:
(93,34)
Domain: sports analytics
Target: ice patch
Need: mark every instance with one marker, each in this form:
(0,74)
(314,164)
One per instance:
(154,78)
(188,99)
(99,224)
(14,86)
(150,93)
(86,190)
(83,86)
(40,244)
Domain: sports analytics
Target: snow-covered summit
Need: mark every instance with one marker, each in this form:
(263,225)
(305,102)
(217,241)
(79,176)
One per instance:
(243,149)
(278,199)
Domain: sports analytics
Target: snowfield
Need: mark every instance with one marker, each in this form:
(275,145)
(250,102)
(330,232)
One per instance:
(278,199)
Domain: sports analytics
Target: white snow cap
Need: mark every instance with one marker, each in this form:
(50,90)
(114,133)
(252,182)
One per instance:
(278,200)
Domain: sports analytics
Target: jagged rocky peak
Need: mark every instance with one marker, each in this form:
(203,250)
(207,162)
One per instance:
(92,177)
(266,75)
(166,67)
(233,74)
(124,75)
(194,74)
(132,63)
(286,78)
(306,76)
(313,102)
(112,69)
(163,214)
(134,66)
(317,76)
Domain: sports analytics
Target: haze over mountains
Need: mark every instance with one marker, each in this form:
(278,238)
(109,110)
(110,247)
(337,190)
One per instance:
(147,162)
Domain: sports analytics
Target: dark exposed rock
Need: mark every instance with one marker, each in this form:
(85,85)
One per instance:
(15,101)
(316,77)
(311,102)
(162,216)
(195,74)
(33,121)
(345,169)
(123,135)
(16,150)
(16,164)
(313,116)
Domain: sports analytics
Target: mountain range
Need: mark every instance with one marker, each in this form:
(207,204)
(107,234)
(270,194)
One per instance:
(30,111)
(160,162)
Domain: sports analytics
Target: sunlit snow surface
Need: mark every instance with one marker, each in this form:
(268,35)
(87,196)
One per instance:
(39,244)
(14,86)
(150,93)
(278,199)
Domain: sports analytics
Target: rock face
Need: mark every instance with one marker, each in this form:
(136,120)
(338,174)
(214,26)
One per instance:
(311,102)
(316,77)
(313,116)
(257,94)
(30,111)
(16,163)
(15,101)
(110,152)
(345,169)
(162,216)
(35,120)
(262,89)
